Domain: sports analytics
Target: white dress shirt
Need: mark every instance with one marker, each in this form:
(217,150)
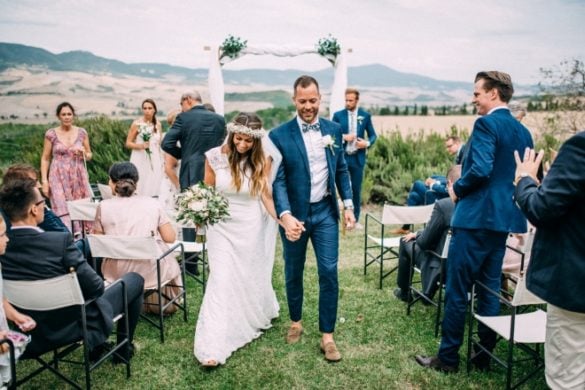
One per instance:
(317,161)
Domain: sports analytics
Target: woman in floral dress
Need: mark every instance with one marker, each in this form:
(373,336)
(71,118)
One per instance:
(63,171)
(144,140)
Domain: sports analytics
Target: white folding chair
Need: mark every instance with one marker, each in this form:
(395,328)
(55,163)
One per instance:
(105,191)
(56,293)
(144,249)
(418,295)
(525,330)
(379,248)
(82,210)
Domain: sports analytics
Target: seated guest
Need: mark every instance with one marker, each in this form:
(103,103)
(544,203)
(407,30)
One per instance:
(434,187)
(8,312)
(432,237)
(34,254)
(51,223)
(128,214)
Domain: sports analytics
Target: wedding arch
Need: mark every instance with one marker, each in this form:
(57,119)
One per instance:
(234,47)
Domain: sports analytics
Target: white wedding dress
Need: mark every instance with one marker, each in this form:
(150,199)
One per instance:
(239,300)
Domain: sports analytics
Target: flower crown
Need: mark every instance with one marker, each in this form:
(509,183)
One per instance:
(241,129)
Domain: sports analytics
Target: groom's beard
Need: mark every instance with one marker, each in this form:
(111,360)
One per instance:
(309,114)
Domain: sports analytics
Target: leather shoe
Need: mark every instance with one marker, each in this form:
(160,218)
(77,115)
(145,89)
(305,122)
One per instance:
(435,363)
(403,297)
(331,352)
(294,334)
(481,361)
(400,231)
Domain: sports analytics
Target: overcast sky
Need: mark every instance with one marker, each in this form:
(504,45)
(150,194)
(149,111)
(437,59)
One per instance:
(447,39)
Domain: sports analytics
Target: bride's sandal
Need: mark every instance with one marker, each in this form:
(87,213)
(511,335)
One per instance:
(209,363)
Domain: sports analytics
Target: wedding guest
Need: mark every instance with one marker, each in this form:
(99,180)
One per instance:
(355,123)
(484,215)
(305,196)
(33,254)
(8,312)
(196,130)
(144,140)
(170,183)
(239,300)
(50,223)
(209,107)
(64,174)
(557,268)
(129,214)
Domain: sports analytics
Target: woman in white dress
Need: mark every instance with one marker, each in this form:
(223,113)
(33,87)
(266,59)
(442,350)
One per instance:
(239,300)
(144,140)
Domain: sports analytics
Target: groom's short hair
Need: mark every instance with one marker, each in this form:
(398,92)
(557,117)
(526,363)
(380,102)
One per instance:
(305,81)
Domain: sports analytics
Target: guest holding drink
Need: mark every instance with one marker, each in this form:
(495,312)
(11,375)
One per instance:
(144,140)
(64,174)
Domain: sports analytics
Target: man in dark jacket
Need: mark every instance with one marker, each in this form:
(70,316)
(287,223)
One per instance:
(432,237)
(557,267)
(33,254)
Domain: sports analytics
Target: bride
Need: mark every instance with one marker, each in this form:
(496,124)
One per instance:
(239,300)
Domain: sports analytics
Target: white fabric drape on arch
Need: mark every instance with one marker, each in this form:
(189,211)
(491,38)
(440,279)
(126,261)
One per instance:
(216,84)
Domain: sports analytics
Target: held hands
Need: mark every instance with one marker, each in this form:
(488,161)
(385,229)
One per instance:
(529,165)
(361,143)
(293,228)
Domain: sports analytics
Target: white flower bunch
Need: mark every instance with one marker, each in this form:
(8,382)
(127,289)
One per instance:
(329,142)
(201,205)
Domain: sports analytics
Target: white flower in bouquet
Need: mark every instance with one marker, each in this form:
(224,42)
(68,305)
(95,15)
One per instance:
(201,205)
(145,133)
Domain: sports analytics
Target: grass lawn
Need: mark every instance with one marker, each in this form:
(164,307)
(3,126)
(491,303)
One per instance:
(376,338)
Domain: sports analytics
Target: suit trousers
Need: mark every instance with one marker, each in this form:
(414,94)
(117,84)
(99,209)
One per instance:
(404,274)
(474,254)
(321,228)
(134,291)
(356,175)
(564,349)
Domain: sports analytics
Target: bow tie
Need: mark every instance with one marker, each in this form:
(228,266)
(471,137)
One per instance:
(306,127)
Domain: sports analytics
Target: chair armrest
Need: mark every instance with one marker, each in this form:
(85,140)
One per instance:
(171,250)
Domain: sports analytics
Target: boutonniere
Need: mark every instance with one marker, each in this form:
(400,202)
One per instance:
(329,142)
(360,119)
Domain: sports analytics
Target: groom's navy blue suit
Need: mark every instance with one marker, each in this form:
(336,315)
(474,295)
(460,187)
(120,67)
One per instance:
(291,192)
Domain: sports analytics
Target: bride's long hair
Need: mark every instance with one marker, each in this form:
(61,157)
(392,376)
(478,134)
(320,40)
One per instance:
(253,162)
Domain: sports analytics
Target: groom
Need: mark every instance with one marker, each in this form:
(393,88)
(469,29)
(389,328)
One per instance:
(313,165)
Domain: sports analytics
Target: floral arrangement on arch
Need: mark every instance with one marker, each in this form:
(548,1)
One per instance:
(232,46)
(329,48)
(201,205)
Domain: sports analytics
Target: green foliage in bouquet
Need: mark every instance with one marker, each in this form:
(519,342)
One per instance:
(329,48)
(232,46)
(202,205)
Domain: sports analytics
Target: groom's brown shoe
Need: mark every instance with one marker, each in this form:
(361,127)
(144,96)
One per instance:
(331,352)
(294,334)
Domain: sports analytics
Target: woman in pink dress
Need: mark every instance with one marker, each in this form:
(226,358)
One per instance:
(63,172)
(130,214)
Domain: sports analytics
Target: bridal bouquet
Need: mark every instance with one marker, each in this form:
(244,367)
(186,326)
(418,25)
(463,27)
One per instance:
(145,133)
(201,205)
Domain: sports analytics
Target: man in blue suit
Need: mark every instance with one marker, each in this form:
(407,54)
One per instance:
(305,196)
(355,124)
(484,215)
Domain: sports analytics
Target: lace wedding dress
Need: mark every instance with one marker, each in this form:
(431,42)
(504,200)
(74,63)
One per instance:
(239,300)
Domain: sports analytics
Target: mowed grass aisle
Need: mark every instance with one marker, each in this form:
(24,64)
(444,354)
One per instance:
(376,338)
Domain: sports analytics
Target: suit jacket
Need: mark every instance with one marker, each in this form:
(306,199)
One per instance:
(485,189)
(363,126)
(292,185)
(35,255)
(433,238)
(51,223)
(557,209)
(197,130)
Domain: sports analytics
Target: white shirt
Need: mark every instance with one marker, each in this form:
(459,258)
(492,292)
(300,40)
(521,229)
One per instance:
(352,129)
(317,161)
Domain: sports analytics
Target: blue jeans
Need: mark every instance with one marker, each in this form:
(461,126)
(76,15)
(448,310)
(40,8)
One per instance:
(321,227)
(356,175)
(474,254)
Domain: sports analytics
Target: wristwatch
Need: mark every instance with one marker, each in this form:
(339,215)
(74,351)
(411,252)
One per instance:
(348,208)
